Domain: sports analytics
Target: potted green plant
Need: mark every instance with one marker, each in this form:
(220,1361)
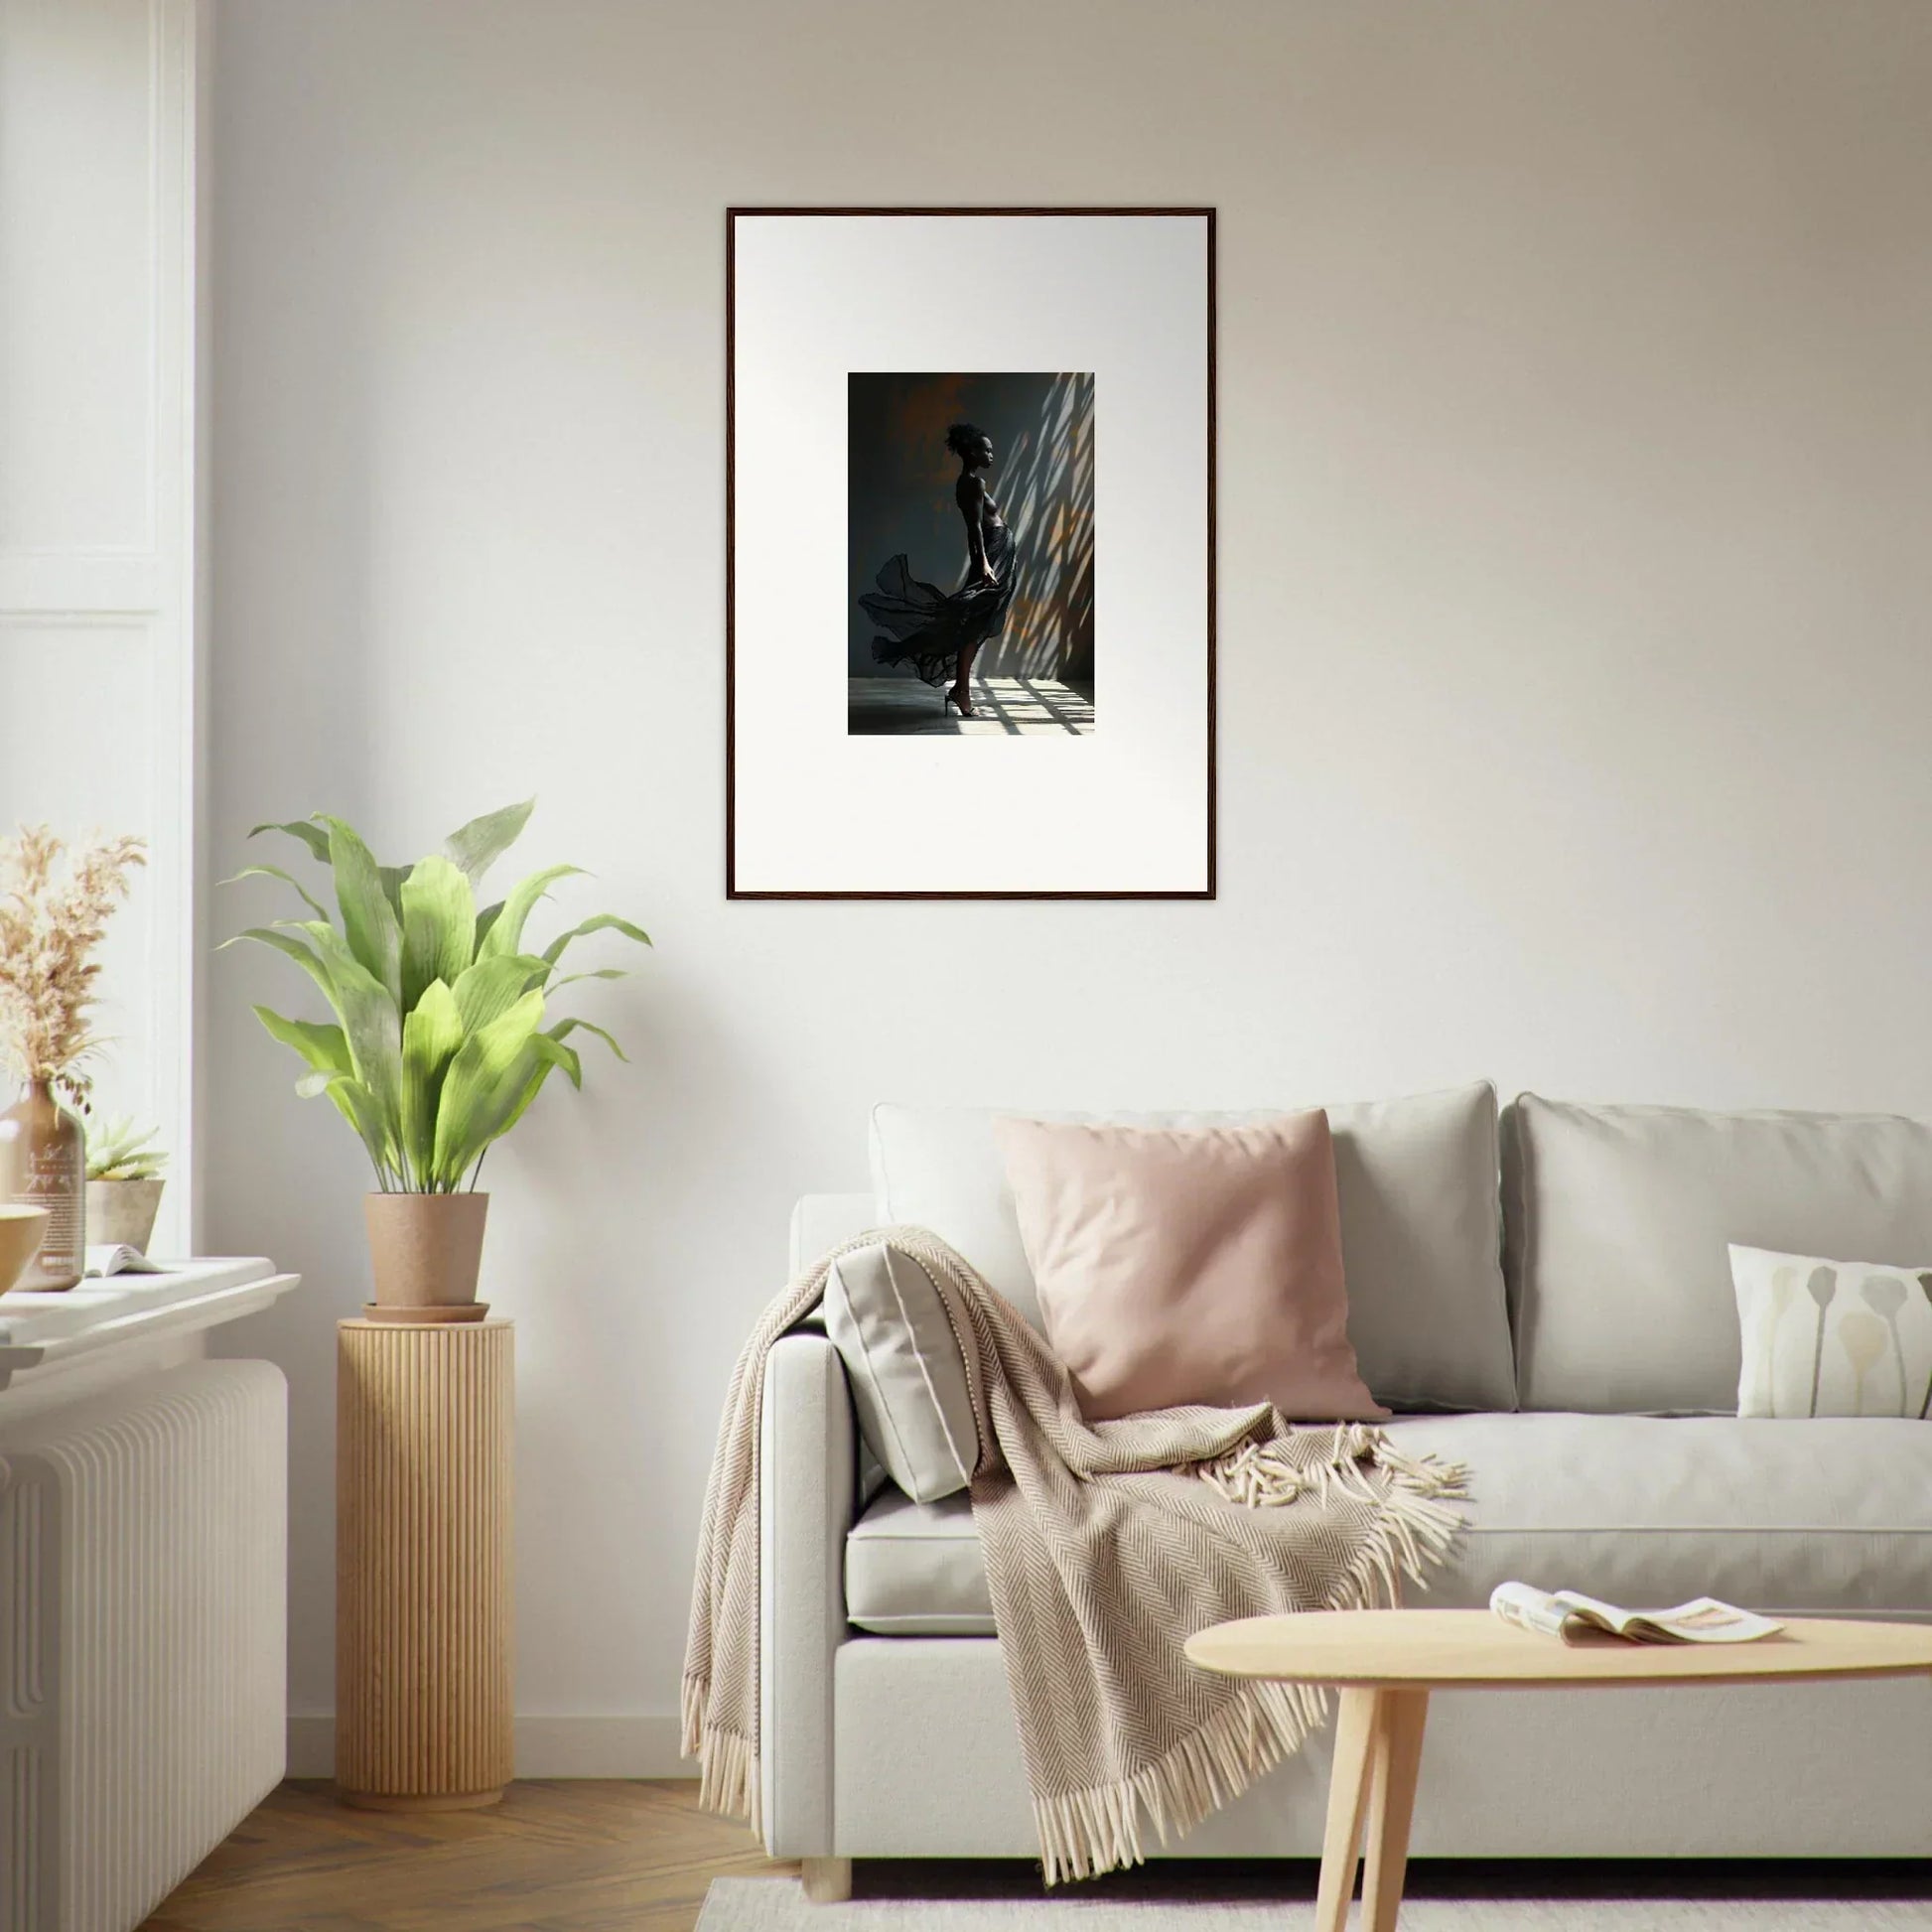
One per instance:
(54,905)
(124,1183)
(439,1043)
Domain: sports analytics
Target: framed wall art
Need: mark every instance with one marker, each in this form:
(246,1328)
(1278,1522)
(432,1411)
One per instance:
(969,553)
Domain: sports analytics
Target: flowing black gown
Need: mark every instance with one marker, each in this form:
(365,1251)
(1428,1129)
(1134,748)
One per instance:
(927,628)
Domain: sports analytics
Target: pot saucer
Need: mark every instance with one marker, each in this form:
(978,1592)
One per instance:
(459,1312)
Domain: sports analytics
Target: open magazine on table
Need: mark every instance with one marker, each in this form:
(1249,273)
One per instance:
(1577,1618)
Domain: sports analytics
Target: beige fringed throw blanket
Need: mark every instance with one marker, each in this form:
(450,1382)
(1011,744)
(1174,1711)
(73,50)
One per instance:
(1107,1545)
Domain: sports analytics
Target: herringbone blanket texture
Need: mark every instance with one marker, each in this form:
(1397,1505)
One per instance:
(1107,1545)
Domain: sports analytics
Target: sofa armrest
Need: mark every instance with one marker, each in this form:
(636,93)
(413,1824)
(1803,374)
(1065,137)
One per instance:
(806,1499)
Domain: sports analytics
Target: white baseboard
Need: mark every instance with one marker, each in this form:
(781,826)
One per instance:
(616,1746)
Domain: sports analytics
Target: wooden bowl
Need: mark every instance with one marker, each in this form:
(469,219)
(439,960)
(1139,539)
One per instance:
(22,1229)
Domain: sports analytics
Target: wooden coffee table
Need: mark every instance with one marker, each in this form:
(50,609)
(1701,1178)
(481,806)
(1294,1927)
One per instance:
(1385,1663)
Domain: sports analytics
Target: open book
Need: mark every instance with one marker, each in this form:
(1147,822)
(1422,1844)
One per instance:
(116,1258)
(1577,1618)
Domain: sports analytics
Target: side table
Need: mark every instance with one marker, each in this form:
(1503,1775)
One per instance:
(424,1416)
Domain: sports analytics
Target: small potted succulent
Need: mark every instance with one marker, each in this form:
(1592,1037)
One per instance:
(437,1042)
(124,1183)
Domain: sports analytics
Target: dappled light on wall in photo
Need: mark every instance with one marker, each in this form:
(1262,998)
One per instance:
(1049,631)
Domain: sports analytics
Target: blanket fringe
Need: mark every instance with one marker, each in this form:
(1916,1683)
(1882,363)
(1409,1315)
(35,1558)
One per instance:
(728,1763)
(729,1780)
(1100,1828)
(1420,1519)
(1413,1495)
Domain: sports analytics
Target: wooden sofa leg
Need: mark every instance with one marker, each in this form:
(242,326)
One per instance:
(828,1882)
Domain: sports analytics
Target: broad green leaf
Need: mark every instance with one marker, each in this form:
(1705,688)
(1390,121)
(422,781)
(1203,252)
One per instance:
(356,1106)
(310,835)
(542,1055)
(477,845)
(304,956)
(506,933)
(370,1020)
(368,920)
(604,922)
(492,986)
(439,1049)
(326,1048)
(431,1036)
(314,905)
(554,1051)
(480,1089)
(438,926)
(564,1027)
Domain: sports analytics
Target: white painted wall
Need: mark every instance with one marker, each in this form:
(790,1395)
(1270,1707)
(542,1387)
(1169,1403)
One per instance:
(1577,443)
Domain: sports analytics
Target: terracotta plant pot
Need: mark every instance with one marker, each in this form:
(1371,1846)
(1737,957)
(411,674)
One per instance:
(122,1212)
(21,1231)
(426,1249)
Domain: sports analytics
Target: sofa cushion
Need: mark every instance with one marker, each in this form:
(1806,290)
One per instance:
(1201,1267)
(915,1405)
(1421,1236)
(1620,1221)
(916,1570)
(1811,1518)
(1833,1337)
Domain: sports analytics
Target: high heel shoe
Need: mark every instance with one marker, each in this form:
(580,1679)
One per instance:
(953,703)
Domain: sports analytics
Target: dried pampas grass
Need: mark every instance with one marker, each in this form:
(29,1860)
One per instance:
(52,918)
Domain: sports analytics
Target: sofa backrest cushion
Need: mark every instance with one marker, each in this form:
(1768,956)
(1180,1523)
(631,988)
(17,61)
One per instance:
(822,1222)
(1620,1221)
(1421,1236)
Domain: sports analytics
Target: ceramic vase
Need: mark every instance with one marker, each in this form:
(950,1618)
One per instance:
(43,1162)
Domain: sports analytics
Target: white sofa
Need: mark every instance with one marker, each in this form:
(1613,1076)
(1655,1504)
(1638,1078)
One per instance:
(1561,1283)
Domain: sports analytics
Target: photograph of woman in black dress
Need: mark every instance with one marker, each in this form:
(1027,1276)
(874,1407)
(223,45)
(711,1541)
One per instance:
(939,633)
(1008,647)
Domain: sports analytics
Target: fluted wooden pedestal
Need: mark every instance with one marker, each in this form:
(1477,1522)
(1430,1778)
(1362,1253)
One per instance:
(423,1640)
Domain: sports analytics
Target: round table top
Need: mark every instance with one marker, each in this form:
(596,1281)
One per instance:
(1421,1649)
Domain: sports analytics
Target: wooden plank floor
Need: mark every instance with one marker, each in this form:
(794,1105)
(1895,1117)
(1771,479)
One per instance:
(607,1857)
(578,1856)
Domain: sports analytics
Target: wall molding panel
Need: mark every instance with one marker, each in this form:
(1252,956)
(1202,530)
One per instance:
(123,496)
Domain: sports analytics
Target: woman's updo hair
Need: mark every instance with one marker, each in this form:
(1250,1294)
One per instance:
(963,438)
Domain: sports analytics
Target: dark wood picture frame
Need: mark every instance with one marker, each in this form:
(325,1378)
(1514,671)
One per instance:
(732,891)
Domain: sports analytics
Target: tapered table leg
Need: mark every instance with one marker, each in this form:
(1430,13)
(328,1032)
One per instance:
(1394,1761)
(1358,1724)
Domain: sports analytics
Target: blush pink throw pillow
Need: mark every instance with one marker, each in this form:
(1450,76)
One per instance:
(1181,1265)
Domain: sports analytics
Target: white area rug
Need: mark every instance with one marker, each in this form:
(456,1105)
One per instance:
(780,1905)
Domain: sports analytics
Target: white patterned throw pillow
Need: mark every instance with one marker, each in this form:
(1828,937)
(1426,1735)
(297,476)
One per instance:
(1832,1338)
